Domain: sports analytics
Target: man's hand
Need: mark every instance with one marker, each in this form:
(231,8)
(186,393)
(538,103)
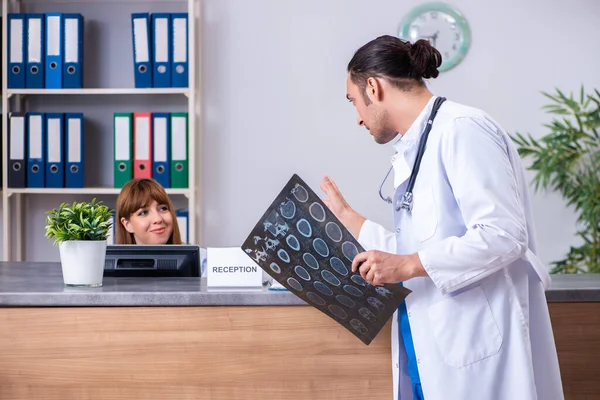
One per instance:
(340,208)
(378,267)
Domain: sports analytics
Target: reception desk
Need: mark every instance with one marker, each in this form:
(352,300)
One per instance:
(143,338)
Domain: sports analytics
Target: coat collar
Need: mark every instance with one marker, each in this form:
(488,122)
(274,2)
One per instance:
(400,161)
(413,134)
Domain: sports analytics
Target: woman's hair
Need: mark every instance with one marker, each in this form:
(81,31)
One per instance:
(403,64)
(136,194)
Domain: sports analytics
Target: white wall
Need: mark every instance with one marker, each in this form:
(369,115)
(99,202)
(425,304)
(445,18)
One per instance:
(273,76)
(274,86)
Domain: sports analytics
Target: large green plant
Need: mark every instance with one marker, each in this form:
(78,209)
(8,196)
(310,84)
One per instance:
(79,221)
(567,160)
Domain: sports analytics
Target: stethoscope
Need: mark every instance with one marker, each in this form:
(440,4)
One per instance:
(407,199)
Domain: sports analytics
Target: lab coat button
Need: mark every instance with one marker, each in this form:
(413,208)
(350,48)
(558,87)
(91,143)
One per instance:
(397,365)
(397,230)
(418,361)
(409,313)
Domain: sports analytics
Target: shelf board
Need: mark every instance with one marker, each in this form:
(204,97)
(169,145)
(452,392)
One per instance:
(102,1)
(98,91)
(87,190)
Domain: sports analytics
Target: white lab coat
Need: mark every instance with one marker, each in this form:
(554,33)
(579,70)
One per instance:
(480,321)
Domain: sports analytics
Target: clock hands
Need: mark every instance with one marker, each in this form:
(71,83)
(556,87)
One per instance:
(433,38)
(443,27)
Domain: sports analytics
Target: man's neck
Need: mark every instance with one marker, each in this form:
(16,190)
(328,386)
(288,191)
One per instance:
(407,107)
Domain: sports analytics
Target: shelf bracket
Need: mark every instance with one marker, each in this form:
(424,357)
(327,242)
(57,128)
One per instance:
(9,194)
(9,95)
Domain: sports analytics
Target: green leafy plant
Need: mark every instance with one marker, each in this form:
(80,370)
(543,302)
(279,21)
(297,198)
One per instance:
(567,160)
(79,221)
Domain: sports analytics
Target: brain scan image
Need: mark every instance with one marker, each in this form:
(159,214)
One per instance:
(321,247)
(367,314)
(275,268)
(317,212)
(323,288)
(345,300)
(349,250)
(288,209)
(359,280)
(383,292)
(294,283)
(330,278)
(304,228)
(338,266)
(293,242)
(315,298)
(376,303)
(300,193)
(333,231)
(353,290)
(283,255)
(359,326)
(302,273)
(338,311)
(303,246)
(310,261)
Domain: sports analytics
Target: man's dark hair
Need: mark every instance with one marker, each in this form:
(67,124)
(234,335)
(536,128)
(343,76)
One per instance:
(403,64)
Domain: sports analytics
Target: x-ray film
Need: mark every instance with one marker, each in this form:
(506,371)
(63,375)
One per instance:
(302,245)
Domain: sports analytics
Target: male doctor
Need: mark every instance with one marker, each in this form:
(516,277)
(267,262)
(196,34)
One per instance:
(476,325)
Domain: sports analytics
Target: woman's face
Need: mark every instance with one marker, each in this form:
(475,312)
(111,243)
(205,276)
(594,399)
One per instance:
(150,225)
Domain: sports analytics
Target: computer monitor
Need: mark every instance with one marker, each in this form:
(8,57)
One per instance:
(165,260)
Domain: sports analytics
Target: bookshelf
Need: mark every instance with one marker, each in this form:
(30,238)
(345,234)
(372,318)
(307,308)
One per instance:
(98,91)
(108,87)
(89,190)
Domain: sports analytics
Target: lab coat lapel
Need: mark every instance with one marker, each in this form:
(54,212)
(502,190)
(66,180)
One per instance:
(406,146)
(401,171)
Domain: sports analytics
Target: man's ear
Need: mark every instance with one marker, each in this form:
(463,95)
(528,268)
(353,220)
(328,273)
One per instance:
(127,225)
(374,89)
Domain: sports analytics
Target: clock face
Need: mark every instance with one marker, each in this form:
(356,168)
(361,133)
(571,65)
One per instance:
(443,27)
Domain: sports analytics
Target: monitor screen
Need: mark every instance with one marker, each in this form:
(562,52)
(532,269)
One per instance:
(180,260)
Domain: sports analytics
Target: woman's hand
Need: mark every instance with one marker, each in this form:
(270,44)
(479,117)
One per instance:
(340,208)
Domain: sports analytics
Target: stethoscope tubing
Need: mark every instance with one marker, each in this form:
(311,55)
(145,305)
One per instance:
(407,198)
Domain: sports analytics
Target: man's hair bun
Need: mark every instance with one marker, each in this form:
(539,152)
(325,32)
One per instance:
(424,60)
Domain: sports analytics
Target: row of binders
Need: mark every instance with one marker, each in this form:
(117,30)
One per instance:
(182,221)
(151,145)
(160,50)
(45,51)
(45,150)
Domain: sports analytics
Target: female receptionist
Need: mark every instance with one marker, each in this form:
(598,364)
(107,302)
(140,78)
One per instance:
(145,215)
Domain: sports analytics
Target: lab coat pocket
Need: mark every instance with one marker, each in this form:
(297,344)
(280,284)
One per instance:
(424,214)
(464,328)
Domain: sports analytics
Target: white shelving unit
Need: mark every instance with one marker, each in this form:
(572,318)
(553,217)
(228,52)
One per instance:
(90,190)
(97,91)
(14,216)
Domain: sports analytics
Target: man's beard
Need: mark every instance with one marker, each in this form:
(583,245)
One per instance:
(381,129)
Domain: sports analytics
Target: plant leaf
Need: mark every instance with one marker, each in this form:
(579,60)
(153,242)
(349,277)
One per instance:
(78,221)
(567,160)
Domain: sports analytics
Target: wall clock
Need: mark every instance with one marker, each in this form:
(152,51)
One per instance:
(445,28)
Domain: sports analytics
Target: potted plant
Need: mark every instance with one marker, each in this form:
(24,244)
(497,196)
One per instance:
(567,160)
(80,229)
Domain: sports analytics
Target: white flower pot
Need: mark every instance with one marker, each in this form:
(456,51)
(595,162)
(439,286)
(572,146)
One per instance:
(82,262)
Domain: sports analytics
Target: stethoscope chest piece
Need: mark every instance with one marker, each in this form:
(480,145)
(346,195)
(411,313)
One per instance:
(405,203)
